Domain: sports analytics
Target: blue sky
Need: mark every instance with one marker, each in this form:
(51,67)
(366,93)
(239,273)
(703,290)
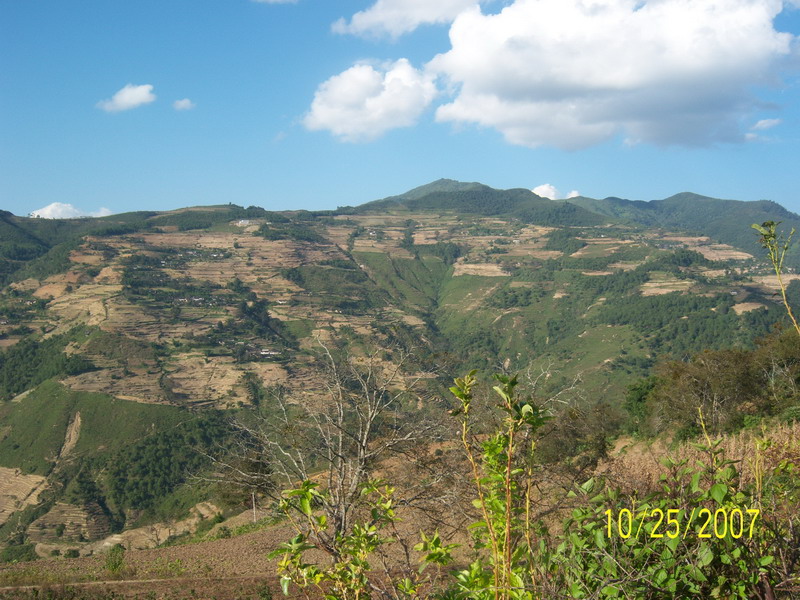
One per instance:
(316,104)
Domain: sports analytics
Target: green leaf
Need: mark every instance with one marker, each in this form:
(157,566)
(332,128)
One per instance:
(305,505)
(718,492)
(285,581)
(705,555)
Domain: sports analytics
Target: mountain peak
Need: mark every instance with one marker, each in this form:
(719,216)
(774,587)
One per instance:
(441,185)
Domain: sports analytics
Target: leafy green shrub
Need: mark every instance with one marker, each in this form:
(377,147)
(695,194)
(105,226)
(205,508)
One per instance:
(672,543)
(115,559)
(21,553)
(172,568)
(668,543)
(791,414)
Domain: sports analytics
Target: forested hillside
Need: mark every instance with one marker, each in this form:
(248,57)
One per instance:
(128,344)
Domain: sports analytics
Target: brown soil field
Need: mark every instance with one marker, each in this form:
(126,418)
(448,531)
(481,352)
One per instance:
(713,273)
(78,522)
(430,236)
(532,251)
(26,285)
(17,491)
(89,304)
(51,290)
(722,252)
(770,282)
(486,270)
(139,385)
(687,239)
(744,307)
(600,247)
(666,286)
(625,266)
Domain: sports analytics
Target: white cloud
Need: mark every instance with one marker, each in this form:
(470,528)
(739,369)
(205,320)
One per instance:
(765,124)
(396,17)
(60,210)
(57,210)
(128,97)
(573,73)
(184,104)
(547,190)
(365,101)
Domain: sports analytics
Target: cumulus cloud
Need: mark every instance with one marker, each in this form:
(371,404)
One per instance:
(573,73)
(60,210)
(365,101)
(396,17)
(128,97)
(547,190)
(184,104)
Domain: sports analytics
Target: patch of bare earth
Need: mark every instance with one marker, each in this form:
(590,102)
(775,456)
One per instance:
(18,491)
(770,282)
(483,269)
(200,379)
(744,307)
(625,266)
(722,252)
(66,524)
(703,245)
(72,435)
(533,252)
(665,286)
(713,273)
(600,247)
(87,304)
(136,385)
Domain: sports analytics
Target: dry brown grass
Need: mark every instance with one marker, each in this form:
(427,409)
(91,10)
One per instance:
(637,466)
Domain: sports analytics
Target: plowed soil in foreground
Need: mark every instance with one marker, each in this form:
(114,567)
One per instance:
(224,569)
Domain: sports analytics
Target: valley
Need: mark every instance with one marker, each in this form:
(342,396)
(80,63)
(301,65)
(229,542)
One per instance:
(130,342)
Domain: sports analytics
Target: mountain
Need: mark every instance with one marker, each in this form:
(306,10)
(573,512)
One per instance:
(721,220)
(441,186)
(128,342)
(478,199)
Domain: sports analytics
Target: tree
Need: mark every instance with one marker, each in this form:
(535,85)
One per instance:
(360,419)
